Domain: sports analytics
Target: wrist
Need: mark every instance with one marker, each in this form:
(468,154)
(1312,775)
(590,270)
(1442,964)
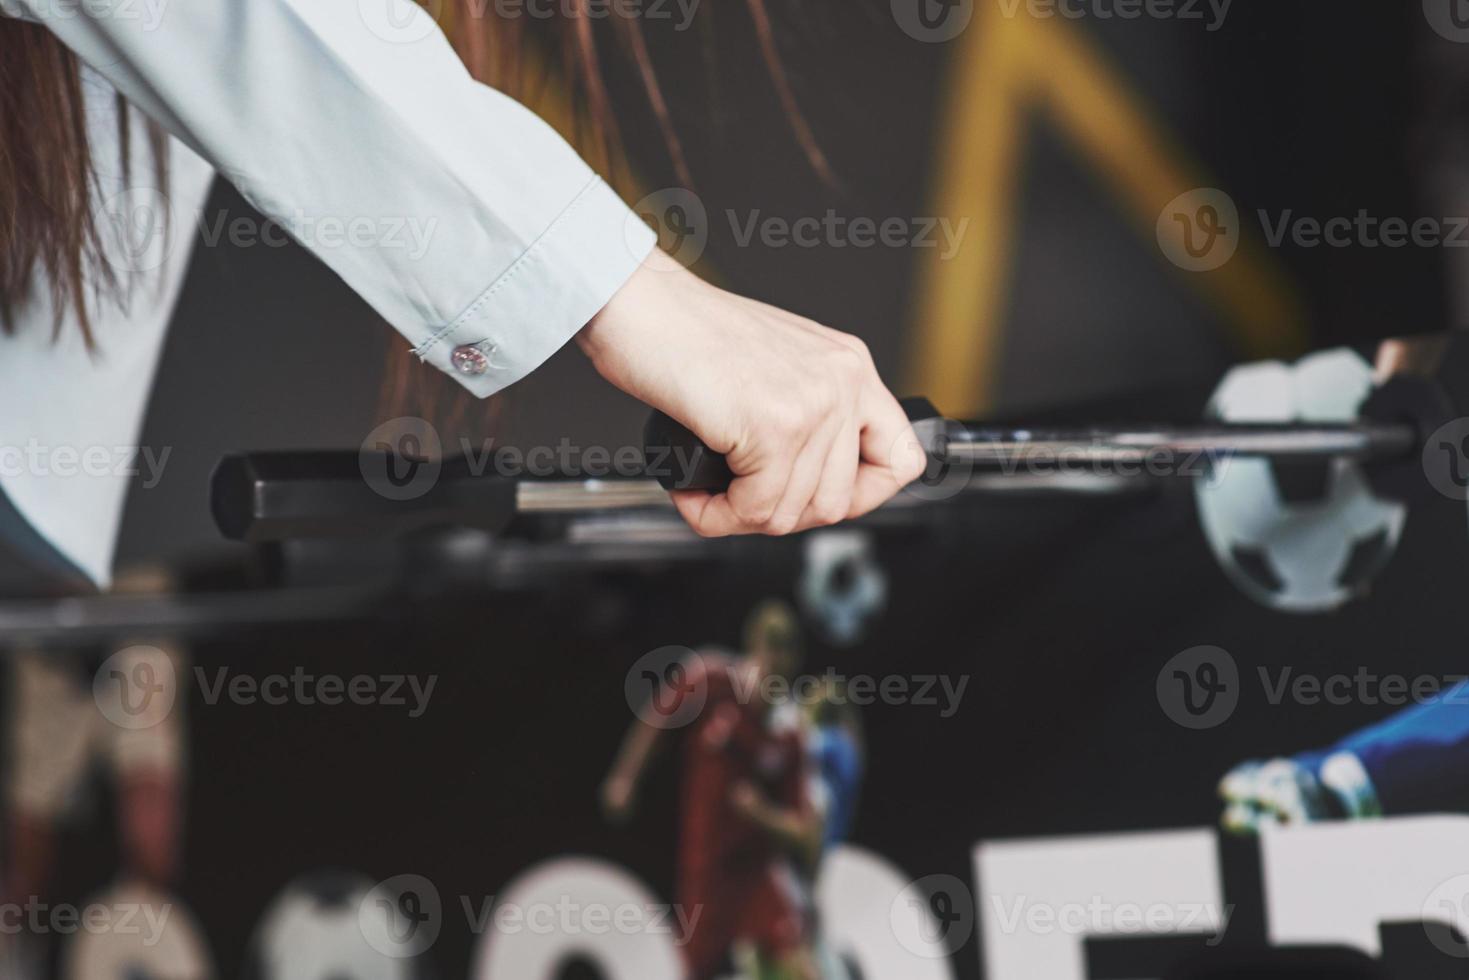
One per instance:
(629,305)
(590,337)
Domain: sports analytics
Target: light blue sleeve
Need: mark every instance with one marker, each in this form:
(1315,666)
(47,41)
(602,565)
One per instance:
(458,214)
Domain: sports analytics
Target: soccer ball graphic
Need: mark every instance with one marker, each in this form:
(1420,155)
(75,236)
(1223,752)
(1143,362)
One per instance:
(331,925)
(1297,538)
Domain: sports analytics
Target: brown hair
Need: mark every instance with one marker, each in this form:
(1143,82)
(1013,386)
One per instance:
(46,176)
(47,223)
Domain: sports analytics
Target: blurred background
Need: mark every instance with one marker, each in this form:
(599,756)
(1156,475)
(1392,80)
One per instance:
(1095,210)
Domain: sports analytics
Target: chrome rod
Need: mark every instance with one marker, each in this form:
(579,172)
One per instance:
(573,496)
(1040,447)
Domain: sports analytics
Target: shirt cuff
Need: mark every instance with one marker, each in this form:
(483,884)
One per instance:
(546,296)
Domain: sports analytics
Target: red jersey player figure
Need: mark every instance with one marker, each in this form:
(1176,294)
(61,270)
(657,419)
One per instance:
(745,797)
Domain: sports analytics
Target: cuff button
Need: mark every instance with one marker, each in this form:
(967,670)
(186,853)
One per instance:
(468,359)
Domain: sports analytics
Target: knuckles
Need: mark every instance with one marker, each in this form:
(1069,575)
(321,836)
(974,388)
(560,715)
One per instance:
(850,362)
(860,348)
(829,512)
(910,467)
(758,514)
(781,524)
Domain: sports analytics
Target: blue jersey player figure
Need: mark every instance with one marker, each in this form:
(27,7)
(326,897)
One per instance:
(837,761)
(837,765)
(1411,762)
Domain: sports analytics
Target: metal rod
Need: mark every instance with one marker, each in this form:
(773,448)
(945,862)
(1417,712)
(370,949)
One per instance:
(591,496)
(1040,452)
(1141,445)
(82,619)
(572,496)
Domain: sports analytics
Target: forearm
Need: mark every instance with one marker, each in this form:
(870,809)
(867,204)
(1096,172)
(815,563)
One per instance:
(463,219)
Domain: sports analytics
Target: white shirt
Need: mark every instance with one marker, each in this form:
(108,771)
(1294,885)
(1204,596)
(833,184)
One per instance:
(458,214)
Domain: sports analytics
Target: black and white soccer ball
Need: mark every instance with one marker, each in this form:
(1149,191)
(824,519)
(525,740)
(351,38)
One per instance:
(1295,539)
(334,925)
(149,935)
(842,585)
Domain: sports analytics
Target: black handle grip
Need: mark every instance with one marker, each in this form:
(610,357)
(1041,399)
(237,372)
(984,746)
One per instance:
(679,460)
(260,497)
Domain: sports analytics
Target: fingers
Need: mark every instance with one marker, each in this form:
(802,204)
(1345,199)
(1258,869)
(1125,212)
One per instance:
(711,515)
(832,500)
(807,476)
(749,504)
(772,499)
(853,462)
(691,505)
(891,455)
(816,447)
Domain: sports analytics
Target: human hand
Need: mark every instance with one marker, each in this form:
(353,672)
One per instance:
(797,409)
